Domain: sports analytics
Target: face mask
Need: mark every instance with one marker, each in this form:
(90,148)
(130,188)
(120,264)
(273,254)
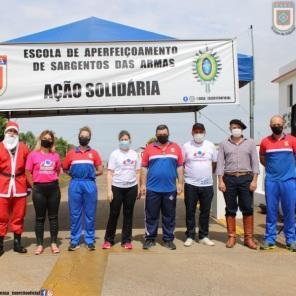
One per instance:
(83,141)
(162,139)
(10,142)
(46,143)
(124,144)
(277,130)
(236,132)
(198,138)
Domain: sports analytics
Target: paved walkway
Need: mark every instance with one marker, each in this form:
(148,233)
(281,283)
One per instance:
(198,270)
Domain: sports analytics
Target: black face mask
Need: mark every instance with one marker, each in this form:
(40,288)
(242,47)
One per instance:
(46,143)
(162,139)
(83,141)
(277,130)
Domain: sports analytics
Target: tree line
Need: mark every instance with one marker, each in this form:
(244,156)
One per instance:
(62,146)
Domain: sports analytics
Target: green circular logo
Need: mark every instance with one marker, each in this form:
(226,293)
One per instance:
(206,67)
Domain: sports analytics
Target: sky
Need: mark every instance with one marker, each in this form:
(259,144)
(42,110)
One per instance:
(180,19)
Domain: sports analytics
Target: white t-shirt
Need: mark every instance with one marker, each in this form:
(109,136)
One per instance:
(198,160)
(124,164)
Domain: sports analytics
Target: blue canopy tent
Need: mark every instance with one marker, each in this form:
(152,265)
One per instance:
(98,30)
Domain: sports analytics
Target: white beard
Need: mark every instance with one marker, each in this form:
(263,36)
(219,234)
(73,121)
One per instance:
(10,142)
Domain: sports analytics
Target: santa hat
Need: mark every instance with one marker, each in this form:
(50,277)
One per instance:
(11,124)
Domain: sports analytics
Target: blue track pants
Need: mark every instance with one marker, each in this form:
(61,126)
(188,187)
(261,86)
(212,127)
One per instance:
(82,206)
(284,192)
(166,203)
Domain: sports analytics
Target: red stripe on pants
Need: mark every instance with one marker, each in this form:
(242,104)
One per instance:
(12,213)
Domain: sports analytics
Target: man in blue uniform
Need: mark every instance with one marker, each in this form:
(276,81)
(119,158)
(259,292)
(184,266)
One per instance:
(162,163)
(277,154)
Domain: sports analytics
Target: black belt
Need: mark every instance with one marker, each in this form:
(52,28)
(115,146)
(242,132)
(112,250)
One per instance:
(238,174)
(12,175)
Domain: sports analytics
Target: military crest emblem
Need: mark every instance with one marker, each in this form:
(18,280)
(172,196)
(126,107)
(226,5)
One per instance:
(3,74)
(283,17)
(206,67)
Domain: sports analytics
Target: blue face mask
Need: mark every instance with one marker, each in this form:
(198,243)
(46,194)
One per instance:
(124,144)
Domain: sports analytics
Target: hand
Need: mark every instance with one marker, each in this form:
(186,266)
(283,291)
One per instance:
(222,186)
(253,186)
(179,188)
(110,195)
(139,193)
(143,190)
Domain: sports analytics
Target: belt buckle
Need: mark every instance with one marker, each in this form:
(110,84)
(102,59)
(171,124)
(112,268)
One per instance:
(242,174)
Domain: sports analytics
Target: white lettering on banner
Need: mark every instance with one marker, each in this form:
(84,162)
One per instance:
(119,74)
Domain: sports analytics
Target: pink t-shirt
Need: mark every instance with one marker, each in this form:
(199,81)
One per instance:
(44,167)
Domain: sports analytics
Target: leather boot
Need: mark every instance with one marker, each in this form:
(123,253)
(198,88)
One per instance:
(248,231)
(1,245)
(231,230)
(17,247)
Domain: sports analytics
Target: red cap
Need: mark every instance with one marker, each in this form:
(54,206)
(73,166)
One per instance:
(11,124)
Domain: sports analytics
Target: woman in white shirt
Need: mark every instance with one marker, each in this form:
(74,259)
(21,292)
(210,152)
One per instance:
(122,189)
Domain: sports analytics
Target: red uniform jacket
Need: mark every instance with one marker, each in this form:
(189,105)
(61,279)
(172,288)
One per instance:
(13,181)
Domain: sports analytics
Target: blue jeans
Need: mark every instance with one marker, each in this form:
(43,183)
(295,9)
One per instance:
(238,194)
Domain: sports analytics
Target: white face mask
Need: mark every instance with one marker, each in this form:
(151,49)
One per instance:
(236,132)
(198,138)
(10,141)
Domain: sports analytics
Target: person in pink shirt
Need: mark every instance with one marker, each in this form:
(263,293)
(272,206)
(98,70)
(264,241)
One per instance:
(43,167)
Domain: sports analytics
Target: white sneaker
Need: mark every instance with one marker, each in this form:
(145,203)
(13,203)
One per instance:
(206,241)
(189,242)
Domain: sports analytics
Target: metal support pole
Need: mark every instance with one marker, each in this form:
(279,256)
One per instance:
(252,88)
(8,115)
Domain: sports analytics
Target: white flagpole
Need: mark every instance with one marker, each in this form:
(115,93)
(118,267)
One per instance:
(252,88)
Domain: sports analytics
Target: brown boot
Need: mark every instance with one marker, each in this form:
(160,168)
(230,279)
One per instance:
(249,229)
(231,230)
(1,245)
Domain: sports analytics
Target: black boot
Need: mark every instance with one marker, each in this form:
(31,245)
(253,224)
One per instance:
(17,247)
(1,245)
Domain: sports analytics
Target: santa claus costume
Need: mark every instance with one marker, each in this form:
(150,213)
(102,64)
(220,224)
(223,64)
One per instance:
(13,186)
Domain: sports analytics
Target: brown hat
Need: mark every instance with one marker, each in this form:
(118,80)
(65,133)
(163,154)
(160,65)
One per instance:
(238,122)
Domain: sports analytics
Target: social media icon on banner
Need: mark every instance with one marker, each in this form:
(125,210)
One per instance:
(45,292)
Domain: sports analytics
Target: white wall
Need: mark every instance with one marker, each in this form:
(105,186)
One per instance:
(284,109)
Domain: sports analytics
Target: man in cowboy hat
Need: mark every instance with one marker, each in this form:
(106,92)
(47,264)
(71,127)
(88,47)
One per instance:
(13,186)
(237,170)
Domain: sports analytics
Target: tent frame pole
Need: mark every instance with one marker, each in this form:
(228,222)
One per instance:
(252,88)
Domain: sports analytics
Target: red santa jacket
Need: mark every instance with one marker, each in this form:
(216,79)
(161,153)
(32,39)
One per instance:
(13,181)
